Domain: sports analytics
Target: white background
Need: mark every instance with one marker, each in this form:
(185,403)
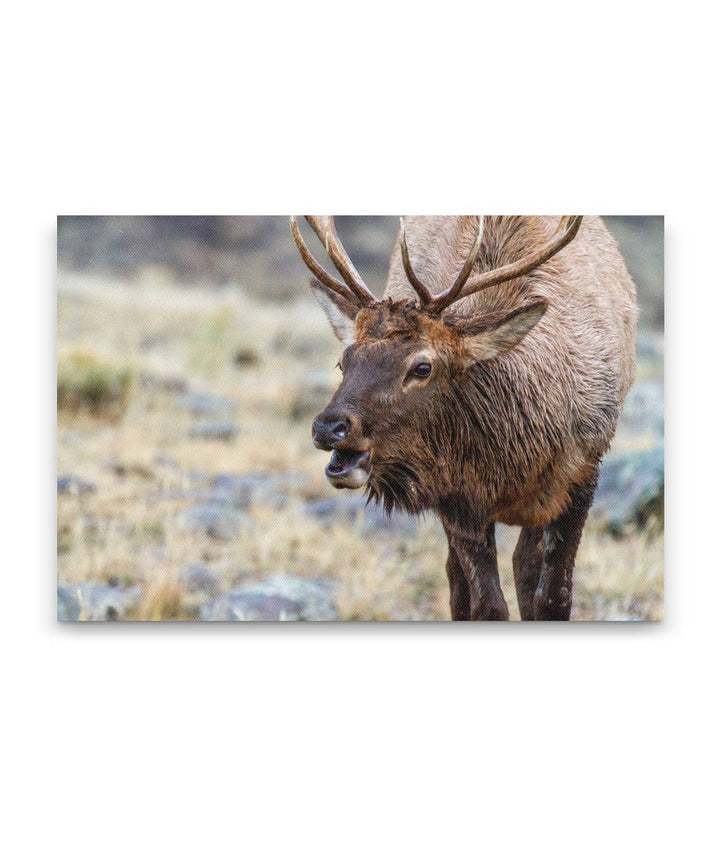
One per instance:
(359,739)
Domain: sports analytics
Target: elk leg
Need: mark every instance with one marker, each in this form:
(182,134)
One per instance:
(527,563)
(561,539)
(459,588)
(478,559)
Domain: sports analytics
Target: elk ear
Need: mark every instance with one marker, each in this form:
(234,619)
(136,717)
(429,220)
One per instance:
(340,311)
(502,336)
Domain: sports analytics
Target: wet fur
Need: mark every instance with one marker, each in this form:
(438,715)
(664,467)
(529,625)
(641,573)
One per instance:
(511,435)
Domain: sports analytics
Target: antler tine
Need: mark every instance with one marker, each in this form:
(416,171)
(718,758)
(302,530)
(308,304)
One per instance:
(438,302)
(441,301)
(319,271)
(566,231)
(324,228)
(423,292)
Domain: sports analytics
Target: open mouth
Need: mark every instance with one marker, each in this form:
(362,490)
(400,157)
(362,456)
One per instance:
(348,468)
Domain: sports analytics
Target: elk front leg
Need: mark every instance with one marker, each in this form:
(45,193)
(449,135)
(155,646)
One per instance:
(459,588)
(527,564)
(476,554)
(561,539)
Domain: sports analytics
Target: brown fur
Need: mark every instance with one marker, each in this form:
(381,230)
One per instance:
(506,429)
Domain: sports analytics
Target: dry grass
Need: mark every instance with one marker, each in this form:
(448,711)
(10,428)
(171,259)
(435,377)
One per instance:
(147,467)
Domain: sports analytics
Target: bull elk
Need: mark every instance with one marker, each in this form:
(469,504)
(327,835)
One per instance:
(486,385)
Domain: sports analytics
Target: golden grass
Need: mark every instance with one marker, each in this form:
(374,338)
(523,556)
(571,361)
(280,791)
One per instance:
(130,529)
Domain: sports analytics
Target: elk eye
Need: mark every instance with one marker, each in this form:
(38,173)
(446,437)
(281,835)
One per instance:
(422,370)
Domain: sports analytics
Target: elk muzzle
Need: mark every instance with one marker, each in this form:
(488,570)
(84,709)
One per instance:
(339,433)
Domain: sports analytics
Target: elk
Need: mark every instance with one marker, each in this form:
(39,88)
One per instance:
(485,386)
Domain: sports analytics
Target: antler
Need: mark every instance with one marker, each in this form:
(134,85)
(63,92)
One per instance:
(324,228)
(566,231)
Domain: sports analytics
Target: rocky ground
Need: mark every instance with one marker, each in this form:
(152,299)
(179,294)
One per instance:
(198,495)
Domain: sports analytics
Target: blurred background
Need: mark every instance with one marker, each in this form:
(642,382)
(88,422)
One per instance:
(191,360)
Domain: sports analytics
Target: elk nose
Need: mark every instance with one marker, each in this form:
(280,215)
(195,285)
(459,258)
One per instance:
(326,433)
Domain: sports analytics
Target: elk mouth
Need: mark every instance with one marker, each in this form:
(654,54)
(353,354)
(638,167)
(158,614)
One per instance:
(348,468)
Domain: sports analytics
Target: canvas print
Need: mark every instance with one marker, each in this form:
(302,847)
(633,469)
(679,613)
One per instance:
(358,418)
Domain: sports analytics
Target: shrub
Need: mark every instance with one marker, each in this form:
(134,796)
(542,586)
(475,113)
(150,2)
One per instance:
(85,383)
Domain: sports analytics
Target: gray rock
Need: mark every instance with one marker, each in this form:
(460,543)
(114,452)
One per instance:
(246,358)
(649,347)
(205,404)
(123,469)
(199,578)
(214,430)
(165,461)
(163,383)
(244,490)
(631,490)
(283,598)
(369,518)
(91,601)
(617,609)
(644,408)
(617,613)
(196,477)
(216,520)
(73,484)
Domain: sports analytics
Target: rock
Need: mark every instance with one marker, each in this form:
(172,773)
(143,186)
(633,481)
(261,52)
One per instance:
(283,598)
(369,518)
(649,347)
(165,461)
(199,578)
(153,341)
(73,484)
(631,490)
(216,520)
(617,613)
(644,408)
(604,608)
(123,469)
(244,490)
(231,492)
(205,404)
(214,430)
(245,358)
(163,383)
(91,601)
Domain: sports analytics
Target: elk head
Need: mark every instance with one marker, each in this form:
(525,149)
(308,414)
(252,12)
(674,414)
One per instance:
(404,359)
